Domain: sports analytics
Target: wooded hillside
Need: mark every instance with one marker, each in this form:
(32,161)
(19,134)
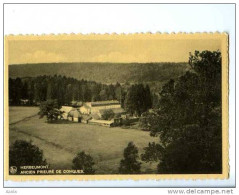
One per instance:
(103,72)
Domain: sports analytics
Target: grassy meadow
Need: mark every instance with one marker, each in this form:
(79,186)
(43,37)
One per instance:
(18,113)
(60,142)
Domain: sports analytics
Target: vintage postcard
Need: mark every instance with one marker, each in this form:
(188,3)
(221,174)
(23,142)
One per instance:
(113,107)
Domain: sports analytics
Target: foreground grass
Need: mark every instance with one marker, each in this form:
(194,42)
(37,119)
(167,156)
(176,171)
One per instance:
(18,113)
(60,142)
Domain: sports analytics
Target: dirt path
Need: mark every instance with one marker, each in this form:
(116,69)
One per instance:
(43,140)
(24,119)
(57,146)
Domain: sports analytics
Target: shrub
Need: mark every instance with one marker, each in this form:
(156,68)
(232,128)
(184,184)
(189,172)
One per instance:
(84,162)
(25,153)
(108,115)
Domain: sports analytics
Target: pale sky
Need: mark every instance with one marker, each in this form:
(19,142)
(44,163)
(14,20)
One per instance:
(131,50)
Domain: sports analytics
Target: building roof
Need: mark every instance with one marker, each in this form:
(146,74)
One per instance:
(75,113)
(66,109)
(115,110)
(102,121)
(86,106)
(118,110)
(105,103)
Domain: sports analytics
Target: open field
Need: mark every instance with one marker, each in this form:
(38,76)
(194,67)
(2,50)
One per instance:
(18,113)
(60,142)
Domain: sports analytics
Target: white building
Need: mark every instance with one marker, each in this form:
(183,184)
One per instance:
(74,115)
(101,122)
(95,107)
(66,110)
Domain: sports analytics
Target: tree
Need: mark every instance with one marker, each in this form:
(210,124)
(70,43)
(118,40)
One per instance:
(148,100)
(103,95)
(75,92)
(153,152)
(96,92)
(130,100)
(188,119)
(138,99)
(130,164)
(83,162)
(65,90)
(88,94)
(69,94)
(155,101)
(25,153)
(31,92)
(15,88)
(207,66)
(24,91)
(50,92)
(50,109)
(193,153)
(118,92)
(111,92)
(60,91)
(108,114)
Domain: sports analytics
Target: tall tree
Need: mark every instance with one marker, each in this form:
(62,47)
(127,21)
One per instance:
(31,91)
(24,91)
(69,94)
(111,92)
(118,92)
(103,95)
(130,164)
(96,92)
(50,109)
(138,99)
(84,162)
(130,100)
(50,91)
(148,98)
(188,120)
(88,94)
(16,88)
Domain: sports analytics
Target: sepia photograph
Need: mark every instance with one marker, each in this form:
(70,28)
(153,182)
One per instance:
(142,104)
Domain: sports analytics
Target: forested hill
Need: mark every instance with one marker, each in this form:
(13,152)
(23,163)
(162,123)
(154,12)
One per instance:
(103,72)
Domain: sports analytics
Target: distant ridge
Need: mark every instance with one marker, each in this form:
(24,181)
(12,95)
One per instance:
(103,72)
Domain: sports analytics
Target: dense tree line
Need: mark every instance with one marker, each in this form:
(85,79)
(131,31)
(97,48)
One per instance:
(188,120)
(136,98)
(64,89)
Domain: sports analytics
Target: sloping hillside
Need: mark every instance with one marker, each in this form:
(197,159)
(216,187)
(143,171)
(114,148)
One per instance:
(103,72)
